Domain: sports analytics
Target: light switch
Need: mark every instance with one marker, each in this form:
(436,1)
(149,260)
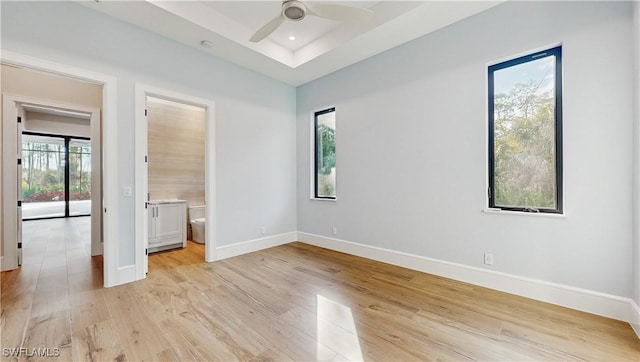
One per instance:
(126,191)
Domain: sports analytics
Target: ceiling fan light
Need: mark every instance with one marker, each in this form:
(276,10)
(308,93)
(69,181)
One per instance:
(293,10)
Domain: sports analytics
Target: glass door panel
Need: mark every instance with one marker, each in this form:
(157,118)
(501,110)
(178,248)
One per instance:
(79,177)
(43,179)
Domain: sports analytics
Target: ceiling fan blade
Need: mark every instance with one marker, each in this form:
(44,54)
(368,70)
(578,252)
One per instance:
(340,12)
(267,29)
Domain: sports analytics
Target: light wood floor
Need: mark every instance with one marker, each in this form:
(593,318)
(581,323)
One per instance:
(293,302)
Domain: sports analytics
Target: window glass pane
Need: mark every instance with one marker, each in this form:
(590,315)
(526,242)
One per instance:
(79,177)
(325,154)
(525,172)
(42,176)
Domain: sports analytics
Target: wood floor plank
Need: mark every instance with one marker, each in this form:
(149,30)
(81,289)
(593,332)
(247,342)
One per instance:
(209,313)
(192,341)
(140,337)
(14,320)
(90,313)
(97,342)
(271,355)
(50,335)
(166,355)
(272,332)
(288,303)
(339,335)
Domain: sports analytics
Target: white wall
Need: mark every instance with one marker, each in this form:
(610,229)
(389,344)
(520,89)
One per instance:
(58,125)
(411,147)
(255,116)
(636,164)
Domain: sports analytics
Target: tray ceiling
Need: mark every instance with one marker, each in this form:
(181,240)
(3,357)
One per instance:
(321,46)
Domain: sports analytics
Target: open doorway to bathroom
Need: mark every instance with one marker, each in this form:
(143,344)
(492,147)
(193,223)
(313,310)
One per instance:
(176,170)
(175,138)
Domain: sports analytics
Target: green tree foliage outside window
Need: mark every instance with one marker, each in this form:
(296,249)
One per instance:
(325,154)
(43,172)
(328,142)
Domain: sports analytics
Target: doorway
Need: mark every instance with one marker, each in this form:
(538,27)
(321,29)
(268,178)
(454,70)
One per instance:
(30,114)
(145,94)
(40,114)
(107,130)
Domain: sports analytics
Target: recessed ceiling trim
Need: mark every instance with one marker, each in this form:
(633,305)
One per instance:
(346,33)
(205,16)
(189,22)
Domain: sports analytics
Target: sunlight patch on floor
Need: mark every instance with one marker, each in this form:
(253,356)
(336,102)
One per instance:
(336,329)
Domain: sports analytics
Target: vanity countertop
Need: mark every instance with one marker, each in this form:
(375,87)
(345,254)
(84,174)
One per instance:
(168,201)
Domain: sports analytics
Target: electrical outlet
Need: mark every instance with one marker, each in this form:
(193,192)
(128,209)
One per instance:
(263,230)
(126,191)
(488,258)
(334,230)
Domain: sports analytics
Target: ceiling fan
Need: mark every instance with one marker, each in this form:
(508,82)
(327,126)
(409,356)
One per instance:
(295,10)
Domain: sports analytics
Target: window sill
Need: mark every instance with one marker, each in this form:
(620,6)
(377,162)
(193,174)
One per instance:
(321,199)
(520,213)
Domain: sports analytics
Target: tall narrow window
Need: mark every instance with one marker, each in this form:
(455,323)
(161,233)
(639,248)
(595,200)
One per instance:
(525,133)
(325,154)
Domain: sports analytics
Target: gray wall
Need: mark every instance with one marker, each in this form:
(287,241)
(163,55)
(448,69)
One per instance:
(411,147)
(255,115)
(636,153)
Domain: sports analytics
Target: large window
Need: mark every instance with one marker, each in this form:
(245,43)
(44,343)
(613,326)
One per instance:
(56,176)
(525,133)
(325,154)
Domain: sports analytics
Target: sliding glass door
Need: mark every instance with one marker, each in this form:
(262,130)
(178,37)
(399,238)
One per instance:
(79,177)
(56,176)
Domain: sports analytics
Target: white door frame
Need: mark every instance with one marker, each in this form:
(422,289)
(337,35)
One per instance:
(143,91)
(11,108)
(109,154)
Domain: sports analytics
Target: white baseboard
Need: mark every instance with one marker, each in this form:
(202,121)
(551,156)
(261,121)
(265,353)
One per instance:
(576,298)
(634,318)
(12,265)
(97,249)
(125,274)
(228,251)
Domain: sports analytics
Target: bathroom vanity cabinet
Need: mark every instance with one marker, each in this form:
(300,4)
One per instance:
(167,224)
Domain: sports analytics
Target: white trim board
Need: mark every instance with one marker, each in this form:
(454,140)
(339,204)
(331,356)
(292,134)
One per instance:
(606,305)
(634,317)
(126,274)
(245,247)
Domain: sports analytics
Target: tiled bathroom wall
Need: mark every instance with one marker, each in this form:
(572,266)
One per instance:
(176,149)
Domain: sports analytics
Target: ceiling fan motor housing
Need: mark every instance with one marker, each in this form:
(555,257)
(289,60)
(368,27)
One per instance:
(294,10)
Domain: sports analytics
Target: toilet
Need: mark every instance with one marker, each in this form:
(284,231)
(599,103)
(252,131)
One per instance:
(197,221)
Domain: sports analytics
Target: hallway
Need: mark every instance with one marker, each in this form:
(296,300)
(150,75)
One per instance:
(57,271)
(52,300)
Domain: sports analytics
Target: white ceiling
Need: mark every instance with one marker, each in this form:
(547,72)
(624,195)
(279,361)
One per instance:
(321,46)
